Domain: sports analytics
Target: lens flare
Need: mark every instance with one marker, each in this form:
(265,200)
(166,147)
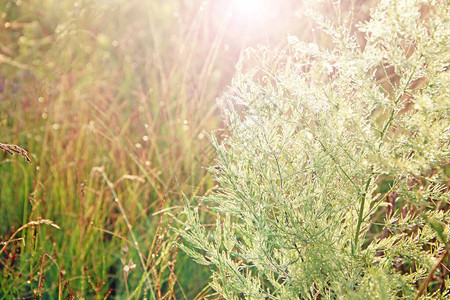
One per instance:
(252,9)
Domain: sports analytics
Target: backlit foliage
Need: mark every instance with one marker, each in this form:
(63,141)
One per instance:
(334,181)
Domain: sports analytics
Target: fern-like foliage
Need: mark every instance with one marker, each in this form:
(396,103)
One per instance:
(334,181)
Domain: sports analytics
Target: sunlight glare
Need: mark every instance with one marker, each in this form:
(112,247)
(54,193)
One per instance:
(252,9)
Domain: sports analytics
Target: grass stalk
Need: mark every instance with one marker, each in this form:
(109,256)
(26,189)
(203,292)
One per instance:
(130,228)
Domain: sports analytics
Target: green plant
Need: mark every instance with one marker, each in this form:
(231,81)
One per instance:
(334,180)
(109,99)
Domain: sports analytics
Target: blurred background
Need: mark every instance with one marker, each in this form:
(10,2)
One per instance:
(111,99)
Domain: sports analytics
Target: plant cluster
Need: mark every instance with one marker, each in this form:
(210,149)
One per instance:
(110,99)
(102,94)
(334,180)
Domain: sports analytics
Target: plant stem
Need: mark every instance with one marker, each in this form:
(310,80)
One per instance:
(130,228)
(428,278)
(361,212)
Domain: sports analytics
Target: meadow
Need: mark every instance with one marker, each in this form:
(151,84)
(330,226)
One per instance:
(114,103)
(110,99)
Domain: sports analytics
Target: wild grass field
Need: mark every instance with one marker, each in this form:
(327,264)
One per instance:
(112,101)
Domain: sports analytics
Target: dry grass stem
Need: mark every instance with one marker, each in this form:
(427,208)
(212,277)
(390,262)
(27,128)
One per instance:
(31,223)
(11,149)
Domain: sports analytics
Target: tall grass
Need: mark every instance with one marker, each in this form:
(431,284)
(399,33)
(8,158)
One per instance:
(110,107)
(110,98)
